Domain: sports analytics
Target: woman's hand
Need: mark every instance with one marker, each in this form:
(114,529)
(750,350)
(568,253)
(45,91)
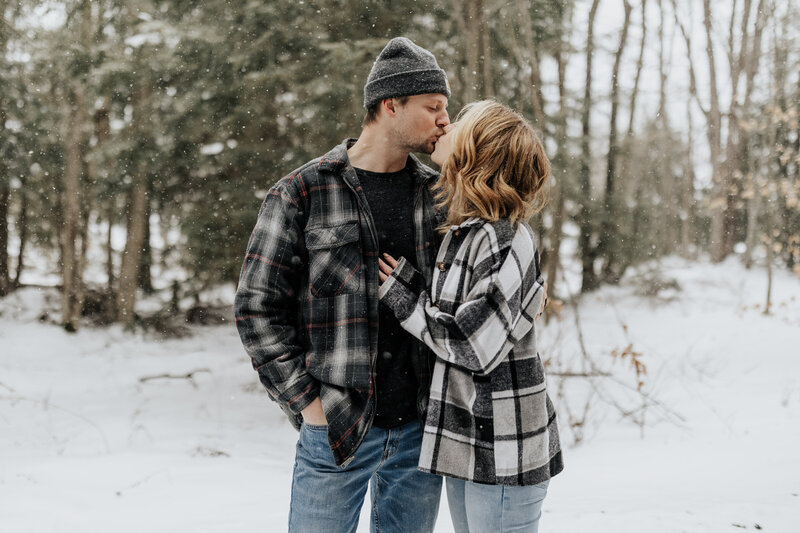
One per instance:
(385,268)
(543,304)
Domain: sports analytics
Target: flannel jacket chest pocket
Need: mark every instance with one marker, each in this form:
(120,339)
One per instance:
(334,256)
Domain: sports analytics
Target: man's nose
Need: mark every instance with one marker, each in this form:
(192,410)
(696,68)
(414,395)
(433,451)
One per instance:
(443,120)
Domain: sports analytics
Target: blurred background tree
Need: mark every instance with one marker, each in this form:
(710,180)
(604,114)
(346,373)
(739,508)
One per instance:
(150,130)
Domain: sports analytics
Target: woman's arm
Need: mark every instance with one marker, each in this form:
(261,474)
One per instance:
(499,308)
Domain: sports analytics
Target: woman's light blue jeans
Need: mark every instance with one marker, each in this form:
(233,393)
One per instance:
(476,508)
(327,498)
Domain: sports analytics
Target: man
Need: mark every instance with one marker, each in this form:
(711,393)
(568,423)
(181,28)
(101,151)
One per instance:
(349,377)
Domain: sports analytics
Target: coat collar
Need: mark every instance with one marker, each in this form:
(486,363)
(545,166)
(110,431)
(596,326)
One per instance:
(337,161)
(468,223)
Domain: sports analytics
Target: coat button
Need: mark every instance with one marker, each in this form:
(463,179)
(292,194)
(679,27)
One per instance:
(442,266)
(436,304)
(457,232)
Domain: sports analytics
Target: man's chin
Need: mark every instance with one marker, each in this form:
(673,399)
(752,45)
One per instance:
(422,148)
(426,148)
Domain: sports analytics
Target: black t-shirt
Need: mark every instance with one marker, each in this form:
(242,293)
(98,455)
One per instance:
(390,196)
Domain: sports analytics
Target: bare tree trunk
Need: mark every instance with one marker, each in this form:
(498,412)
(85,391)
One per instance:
(687,198)
(611,218)
(558,198)
(110,213)
(137,217)
(589,279)
(753,196)
(713,132)
(5,186)
(471,48)
(477,74)
(687,208)
(102,129)
(129,271)
(770,258)
(735,158)
(72,198)
(486,54)
(639,66)
(22,231)
(5,197)
(535,80)
(748,61)
(662,70)
(145,281)
(713,118)
(74,231)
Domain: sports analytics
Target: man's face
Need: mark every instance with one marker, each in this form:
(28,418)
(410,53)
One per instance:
(420,122)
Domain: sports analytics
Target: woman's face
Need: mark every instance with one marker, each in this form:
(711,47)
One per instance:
(444,146)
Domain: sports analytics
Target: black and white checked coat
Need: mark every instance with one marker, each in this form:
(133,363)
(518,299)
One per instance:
(489,417)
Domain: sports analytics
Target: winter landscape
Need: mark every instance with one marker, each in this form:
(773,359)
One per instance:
(107,430)
(138,139)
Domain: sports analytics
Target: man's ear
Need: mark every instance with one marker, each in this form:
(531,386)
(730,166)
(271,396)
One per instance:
(389,105)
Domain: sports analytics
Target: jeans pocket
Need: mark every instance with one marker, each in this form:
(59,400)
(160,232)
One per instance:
(314,441)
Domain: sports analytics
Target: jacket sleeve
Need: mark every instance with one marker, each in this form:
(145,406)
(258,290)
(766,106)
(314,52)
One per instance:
(266,301)
(497,312)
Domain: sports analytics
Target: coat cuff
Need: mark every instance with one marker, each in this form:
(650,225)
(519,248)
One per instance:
(401,290)
(307,394)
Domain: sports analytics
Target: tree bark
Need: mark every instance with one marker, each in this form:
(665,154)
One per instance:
(639,66)
(72,198)
(687,198)
(477,73)
(558,196)
(5,197)
(137,216)
(748,62)
(486,54)
(102,131)
(110,214)
(610,226)
(713,132)
(129,271)
(22,231)
(145,281)
(535,80)
(5,186)
(589,280)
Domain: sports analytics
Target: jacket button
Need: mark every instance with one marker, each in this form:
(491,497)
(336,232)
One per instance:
(457,232)
(436,304)
(442,266)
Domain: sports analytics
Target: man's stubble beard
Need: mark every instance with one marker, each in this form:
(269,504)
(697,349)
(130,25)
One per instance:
(409,144)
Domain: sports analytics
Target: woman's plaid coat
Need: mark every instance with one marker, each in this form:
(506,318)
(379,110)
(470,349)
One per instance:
(489,417)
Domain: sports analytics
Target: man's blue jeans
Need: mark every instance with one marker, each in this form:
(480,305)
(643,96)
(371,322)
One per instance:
(476,508)
(327,498)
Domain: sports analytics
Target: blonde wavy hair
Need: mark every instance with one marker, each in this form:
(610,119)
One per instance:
(498,167)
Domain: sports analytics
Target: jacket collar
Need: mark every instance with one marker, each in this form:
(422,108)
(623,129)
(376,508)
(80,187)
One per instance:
(337,161)
(468,223)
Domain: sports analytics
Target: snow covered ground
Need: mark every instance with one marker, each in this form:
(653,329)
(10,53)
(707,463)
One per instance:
(93,440)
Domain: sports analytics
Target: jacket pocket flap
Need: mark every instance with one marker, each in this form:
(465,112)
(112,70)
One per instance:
(330,237)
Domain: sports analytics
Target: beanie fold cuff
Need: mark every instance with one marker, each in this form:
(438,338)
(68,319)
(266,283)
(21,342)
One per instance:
(406,84)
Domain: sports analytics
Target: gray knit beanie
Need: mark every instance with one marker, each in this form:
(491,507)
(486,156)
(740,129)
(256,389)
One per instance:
(404,69)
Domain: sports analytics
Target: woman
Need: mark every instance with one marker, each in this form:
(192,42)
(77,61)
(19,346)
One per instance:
(490,426)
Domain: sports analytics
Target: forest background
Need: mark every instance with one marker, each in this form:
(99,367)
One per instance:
(153,128)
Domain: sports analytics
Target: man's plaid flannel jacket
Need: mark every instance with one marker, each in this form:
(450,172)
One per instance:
(307,303)
(489,417)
